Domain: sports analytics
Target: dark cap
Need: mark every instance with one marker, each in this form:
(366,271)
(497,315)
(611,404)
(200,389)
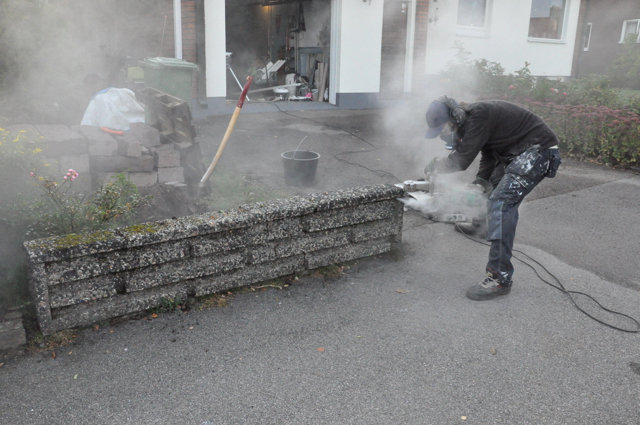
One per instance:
(437,118)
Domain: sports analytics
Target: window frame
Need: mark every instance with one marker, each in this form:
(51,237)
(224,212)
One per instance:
(625,23)
(475,31)
(563,33)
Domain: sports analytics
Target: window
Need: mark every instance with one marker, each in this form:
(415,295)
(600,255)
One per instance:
(471,13)
(547,19)
(586,36)
(629,29)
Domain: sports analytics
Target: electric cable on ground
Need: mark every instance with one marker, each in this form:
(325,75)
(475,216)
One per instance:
(379,172)
(560,287)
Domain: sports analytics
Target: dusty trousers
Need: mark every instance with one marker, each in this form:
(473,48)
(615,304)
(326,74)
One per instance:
(520,177)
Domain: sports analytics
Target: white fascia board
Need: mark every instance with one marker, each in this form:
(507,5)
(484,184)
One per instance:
(359,45)
(215,48)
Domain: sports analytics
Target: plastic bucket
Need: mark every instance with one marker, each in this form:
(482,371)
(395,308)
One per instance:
(300,167)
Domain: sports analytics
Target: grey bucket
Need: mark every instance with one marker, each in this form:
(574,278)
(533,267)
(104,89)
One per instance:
(300,167)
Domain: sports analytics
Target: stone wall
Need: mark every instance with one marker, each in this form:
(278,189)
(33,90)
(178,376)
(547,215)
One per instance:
(77,280)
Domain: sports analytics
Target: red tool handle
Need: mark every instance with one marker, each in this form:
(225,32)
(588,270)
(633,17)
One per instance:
(116,132)
(244,92)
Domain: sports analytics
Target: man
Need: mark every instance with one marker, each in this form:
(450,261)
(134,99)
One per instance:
(517,150)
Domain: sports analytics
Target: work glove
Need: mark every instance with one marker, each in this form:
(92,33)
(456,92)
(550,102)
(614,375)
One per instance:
(415,185)
(483,185)
(432,166)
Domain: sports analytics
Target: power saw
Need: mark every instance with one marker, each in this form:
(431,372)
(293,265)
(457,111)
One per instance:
(441,198)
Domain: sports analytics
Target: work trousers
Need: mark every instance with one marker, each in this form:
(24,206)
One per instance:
(520,177)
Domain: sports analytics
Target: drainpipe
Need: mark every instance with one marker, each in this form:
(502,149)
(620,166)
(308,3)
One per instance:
(177,28)
(409,44)
(578,50)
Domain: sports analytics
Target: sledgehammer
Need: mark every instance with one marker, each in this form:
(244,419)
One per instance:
(227,133)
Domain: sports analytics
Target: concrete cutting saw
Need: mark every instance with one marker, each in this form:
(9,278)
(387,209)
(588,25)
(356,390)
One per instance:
(441,198)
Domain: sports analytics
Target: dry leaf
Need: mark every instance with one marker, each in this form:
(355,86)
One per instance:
(53,355)
(464,418)
(493,351)
(1,364)
(401,291)
(154,315)
(321,349)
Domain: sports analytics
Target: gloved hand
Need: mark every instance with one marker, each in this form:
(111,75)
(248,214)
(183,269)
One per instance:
(483,185)
(415,185)
(432,166)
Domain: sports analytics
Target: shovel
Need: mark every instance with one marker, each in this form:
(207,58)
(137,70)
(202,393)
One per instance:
(227,133)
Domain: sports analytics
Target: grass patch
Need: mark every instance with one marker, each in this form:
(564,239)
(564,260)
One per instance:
(332,271)
(213,301)
(226,190)
(168,304)
(53,342)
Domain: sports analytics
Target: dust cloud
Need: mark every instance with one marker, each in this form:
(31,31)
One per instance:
(56,54)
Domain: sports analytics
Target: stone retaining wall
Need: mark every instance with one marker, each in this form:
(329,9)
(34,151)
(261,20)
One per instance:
(77,280)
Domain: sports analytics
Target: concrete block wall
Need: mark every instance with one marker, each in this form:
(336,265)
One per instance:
(98,155)
(77,280)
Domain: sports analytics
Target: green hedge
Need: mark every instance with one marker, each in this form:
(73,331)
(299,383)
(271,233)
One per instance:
(606,135)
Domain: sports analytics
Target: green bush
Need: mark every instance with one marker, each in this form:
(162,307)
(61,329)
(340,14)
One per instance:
(600,133)
(61,210)
(35,204)
(20,152)
(625,71)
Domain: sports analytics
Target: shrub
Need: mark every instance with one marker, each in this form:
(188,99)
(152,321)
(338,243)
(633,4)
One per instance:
(62,210)
(625,70)
(594,90)
(40,205)
(599,133)
(20,152)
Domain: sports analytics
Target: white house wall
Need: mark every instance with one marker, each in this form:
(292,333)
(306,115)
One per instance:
(505,40)
(359,46)
(215,48)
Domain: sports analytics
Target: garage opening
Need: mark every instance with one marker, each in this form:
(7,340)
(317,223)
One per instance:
(283,44)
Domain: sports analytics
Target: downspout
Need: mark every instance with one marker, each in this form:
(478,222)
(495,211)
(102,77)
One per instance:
(334,52)
(578,50)
(177,28)
(201,58)
(408,55)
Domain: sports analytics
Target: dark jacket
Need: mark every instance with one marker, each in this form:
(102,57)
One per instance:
(500,131)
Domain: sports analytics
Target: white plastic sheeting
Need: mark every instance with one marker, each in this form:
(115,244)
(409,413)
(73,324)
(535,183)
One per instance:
(114,108)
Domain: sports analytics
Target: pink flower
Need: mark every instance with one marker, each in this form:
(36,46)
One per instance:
(73,174)
(32,174)
(511,87)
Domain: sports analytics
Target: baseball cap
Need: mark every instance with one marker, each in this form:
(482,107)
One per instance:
(437,118)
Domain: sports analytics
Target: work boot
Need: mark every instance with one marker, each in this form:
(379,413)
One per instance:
(489,288)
